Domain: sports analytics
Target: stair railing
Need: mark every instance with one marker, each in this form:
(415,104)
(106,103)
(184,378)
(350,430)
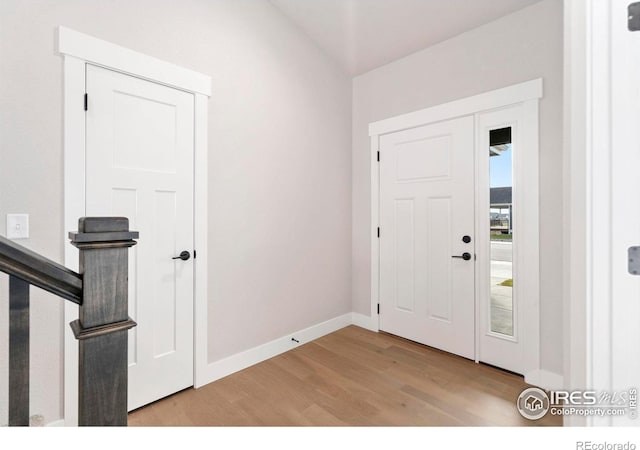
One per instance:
(101,291)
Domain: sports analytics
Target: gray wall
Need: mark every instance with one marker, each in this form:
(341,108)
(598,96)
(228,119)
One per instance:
(513,49)
(279,163)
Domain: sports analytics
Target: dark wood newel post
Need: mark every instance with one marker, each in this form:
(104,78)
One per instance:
(104,320)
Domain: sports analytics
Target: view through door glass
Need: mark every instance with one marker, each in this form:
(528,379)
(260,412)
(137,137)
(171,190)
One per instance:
(501,226)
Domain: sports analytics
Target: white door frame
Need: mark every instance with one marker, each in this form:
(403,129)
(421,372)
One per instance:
(527,94)
(77,50)
(599,78)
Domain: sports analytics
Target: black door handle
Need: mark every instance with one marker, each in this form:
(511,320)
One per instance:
(466,256)
(184,255)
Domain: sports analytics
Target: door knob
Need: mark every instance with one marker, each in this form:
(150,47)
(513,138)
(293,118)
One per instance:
(466,256)
(184,255)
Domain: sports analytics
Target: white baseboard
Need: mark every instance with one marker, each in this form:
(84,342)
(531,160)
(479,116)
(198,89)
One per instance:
(544,379)
(239,361)
(56,423)
(366,322)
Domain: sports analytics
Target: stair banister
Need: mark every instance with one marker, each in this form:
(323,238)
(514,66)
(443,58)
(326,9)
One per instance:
(101,291)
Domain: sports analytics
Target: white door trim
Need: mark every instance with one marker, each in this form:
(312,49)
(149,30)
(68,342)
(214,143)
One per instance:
(121,59)
(528,94)
(498,98)
(77,50)
(596,93)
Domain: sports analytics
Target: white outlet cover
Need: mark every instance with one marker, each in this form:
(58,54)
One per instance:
(17,226)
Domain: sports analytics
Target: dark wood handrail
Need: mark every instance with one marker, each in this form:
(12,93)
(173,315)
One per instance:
(42,272)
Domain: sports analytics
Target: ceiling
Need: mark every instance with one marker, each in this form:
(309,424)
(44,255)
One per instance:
(364,34)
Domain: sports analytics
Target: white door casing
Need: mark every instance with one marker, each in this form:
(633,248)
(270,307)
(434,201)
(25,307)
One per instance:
(426,207)
(139,164)
(602,157)
(77,50)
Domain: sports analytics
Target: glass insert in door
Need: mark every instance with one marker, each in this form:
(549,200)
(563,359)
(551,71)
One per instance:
(501,231)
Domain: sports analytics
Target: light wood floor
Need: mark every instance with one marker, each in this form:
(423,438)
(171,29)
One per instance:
(351,377)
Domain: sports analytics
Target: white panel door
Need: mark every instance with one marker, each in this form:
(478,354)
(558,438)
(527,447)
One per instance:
(139,164)
(426,208)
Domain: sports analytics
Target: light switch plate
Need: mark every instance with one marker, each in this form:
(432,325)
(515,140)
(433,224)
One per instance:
(17,226)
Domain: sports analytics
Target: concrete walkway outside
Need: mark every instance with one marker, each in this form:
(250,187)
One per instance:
(501,296)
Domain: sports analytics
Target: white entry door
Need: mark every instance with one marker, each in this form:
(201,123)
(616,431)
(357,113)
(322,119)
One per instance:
(139,164)
(426,210)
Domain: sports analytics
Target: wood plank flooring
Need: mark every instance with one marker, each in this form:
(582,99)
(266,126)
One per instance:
(352,377)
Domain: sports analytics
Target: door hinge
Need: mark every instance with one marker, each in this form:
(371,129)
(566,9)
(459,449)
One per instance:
(378,155)
(633,263)
(633,16)
(378,308)
(378,232)
(86,101)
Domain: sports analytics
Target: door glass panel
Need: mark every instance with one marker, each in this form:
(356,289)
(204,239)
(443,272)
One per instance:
(501,231)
